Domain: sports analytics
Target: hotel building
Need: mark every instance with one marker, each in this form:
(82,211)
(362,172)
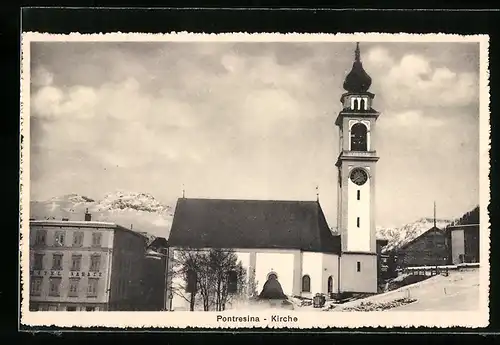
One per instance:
(87,266)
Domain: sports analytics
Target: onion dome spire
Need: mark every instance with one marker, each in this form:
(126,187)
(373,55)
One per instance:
(357,80)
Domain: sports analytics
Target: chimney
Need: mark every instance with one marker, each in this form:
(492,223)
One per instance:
(88,216)
(131,226)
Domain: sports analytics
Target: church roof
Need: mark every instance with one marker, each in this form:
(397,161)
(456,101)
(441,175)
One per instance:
(357,81)
(252,224)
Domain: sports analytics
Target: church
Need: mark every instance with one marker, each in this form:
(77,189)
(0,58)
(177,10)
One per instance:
(290,241)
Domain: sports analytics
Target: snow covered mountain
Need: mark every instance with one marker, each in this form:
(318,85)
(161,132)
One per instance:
(399,236)
(146,214)
(139,210)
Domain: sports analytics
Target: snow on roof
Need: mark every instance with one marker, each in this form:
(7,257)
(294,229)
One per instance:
(74,223)
(458,227)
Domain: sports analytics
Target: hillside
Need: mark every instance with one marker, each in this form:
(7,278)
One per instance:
(139,210)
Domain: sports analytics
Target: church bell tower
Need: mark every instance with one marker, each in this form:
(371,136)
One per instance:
(356,162)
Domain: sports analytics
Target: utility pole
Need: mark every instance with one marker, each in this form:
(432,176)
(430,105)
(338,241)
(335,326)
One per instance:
(434,214)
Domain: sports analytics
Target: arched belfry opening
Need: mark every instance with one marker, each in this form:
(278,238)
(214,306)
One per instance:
(359,137)
(362,104)
(355,104)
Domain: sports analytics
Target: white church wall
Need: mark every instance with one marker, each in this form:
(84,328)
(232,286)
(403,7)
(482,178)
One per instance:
(364,280)
(279,262)
(330,269)
(358,239)
(312,265)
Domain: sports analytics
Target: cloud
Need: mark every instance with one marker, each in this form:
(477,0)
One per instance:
(195,116)
(412,81)
(245,121)
(41,77)
(413,119)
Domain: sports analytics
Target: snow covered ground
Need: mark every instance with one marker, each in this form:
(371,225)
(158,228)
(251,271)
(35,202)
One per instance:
(460,292)
(457,292)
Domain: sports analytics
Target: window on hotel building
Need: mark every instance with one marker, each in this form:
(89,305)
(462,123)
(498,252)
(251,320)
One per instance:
(76,262)
(73,287)
(55,286)
(59,238)
(306,283)
(78,239)
(92,287)
(70,308)
(40,237)
(95,262)
(96,239)
(57,260)
(38,261)
(36,286)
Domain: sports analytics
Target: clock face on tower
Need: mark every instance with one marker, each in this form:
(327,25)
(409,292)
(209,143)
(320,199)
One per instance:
(359,176)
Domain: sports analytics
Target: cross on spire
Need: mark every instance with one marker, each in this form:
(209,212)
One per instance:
(357,80)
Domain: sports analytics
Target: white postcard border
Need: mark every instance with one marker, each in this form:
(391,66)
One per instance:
(209,319)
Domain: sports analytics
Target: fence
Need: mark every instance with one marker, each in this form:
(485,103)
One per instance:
(435,270)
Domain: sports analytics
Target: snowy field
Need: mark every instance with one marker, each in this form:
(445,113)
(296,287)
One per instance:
(457,292)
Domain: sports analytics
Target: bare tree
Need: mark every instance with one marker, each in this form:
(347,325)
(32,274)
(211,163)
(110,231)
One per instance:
(220,277)
(185,263)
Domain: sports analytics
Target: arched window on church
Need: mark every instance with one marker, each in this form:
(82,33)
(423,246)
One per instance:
(330,284)
(359,135)
(306,283)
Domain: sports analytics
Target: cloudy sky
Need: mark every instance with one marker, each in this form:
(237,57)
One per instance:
(252,120)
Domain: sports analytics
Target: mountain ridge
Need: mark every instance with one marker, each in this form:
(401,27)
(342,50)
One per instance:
(136,210)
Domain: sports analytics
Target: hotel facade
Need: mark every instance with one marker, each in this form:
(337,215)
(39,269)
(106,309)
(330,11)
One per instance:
(87,266)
